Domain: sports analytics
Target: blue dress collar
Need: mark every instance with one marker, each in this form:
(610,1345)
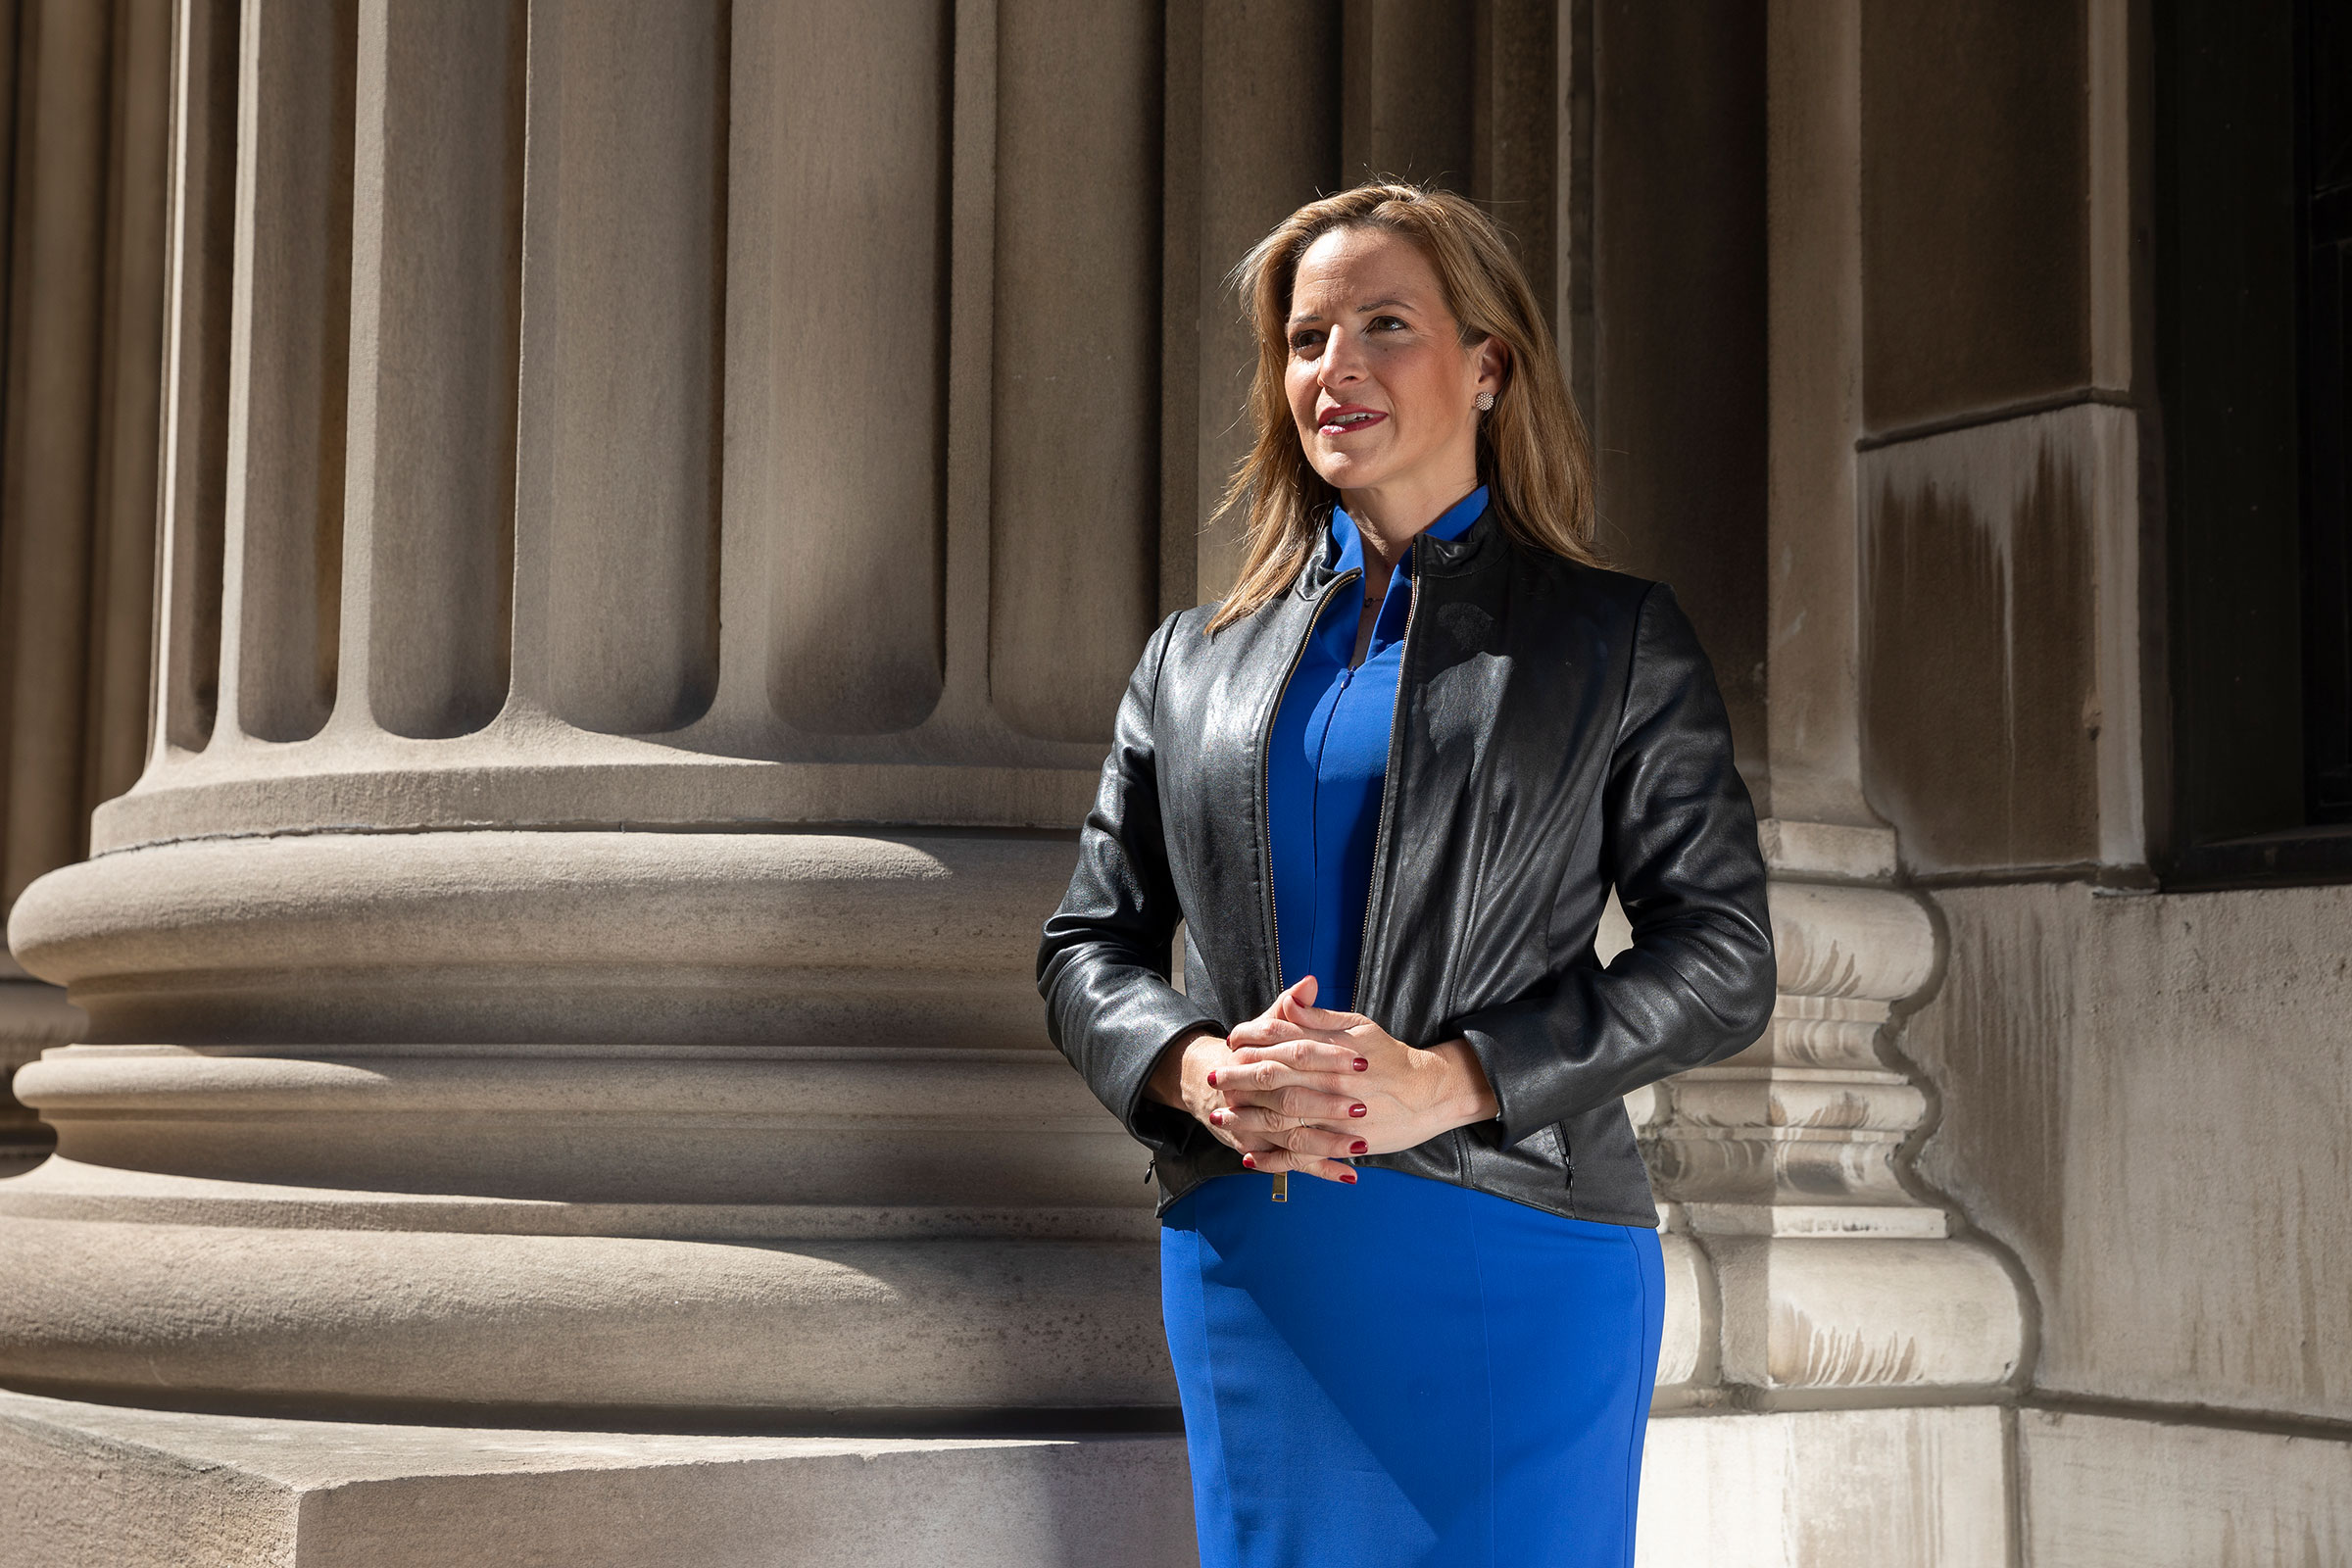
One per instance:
(1451,524)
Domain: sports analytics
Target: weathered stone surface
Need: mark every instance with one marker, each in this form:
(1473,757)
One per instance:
(2094,1491)
(1975,178)
(225,1491)
(2145,1100)
(1830,1312)
(2002,643)
(1827,1488)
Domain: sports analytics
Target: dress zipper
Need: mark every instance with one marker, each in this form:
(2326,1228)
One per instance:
(1265,798)
(1388,786)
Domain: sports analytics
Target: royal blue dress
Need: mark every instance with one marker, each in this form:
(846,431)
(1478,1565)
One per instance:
(1401,1372)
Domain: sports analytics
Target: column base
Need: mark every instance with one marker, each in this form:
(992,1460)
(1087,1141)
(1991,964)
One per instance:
(101,1486)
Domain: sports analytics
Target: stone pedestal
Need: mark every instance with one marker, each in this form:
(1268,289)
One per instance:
(1832,1275)
(1837,1349)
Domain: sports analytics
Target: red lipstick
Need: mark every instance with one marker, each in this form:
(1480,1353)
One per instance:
(1346,418)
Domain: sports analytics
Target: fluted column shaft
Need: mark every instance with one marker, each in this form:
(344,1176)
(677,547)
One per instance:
(84,117)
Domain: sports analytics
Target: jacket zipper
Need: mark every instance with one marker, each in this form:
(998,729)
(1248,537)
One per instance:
(1388,787)
(1265,796)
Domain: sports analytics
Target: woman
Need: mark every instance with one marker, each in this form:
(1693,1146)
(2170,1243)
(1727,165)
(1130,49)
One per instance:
(1387,785)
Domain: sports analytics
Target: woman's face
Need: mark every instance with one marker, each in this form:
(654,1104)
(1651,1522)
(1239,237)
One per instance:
(1379,382)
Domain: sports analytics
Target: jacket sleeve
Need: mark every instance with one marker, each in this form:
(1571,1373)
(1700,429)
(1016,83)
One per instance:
(1679,842)
(1103,966)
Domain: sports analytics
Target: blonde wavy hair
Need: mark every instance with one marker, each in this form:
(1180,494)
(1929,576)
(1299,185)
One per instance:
(1533,452)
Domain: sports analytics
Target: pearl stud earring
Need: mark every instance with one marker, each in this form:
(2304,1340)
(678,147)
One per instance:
(1486,401)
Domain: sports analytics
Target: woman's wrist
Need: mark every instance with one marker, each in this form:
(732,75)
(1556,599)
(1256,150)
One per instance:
(1467,1098)
(1166,1085)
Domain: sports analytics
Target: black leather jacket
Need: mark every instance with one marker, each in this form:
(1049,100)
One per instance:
(1557,732)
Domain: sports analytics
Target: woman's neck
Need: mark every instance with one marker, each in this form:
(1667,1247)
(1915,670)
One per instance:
(1389,518)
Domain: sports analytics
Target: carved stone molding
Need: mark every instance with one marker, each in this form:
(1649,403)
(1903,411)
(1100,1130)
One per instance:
(1780,1171)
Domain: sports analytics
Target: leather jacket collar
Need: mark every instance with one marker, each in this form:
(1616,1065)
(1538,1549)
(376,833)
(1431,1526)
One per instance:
(1430,555)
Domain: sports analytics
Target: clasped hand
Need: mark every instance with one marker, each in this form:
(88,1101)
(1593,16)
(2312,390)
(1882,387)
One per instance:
(1301,1088)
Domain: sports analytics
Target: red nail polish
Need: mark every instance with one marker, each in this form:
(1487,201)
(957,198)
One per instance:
(1216,1119)
(1359,1146)
(1355,1110)
(1250,1160)
(1361,1065)
(1212,1080)
(1350,1178)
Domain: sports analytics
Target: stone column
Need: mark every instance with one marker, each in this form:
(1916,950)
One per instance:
(84,136)
(1251,135)
(1833,1293)
(655,523)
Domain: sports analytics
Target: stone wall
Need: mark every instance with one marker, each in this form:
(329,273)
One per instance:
(2140,1095)
(2143,1100)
